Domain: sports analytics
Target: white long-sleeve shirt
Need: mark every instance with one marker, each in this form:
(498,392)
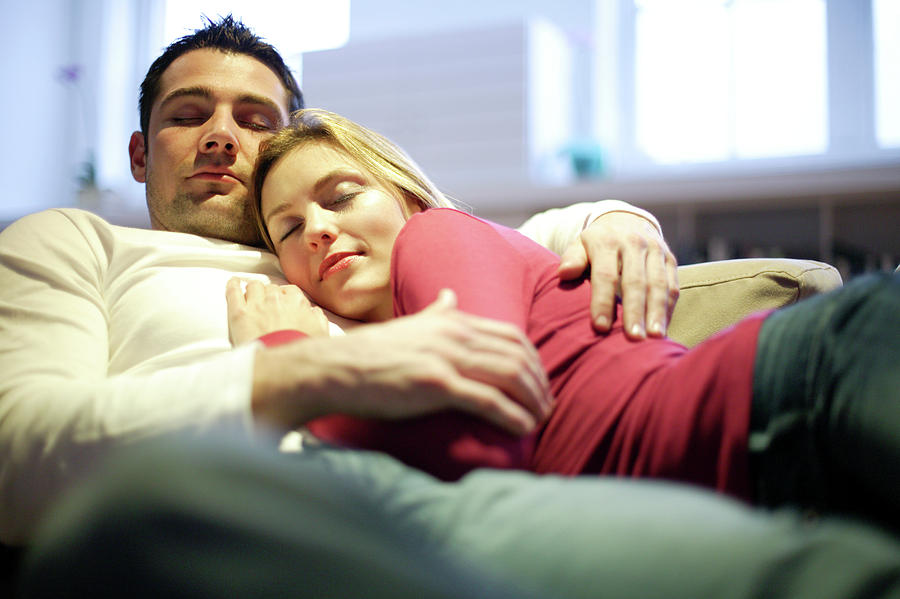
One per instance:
(113,334)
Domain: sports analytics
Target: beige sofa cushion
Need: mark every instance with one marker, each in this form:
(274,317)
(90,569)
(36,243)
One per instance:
(715,295)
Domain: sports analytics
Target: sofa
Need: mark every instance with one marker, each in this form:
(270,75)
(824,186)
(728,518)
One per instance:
(714,295)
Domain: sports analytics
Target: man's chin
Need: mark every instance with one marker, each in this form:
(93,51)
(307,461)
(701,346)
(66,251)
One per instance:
(214,215)
(227,231)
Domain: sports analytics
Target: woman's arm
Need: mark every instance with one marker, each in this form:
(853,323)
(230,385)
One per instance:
(443,248)
(436,250)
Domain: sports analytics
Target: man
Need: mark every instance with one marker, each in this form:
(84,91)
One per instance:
(112,335)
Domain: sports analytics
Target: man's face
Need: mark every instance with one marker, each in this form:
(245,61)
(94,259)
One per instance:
(212,111)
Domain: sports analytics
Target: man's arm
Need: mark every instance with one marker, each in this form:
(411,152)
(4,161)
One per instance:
(65,406)
(62,410)
(439,358)
(626,251)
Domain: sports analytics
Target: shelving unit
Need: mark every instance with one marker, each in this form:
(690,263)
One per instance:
(848,217)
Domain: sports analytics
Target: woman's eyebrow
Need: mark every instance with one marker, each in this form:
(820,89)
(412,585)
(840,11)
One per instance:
(323,183)
(278,210)
(338,173)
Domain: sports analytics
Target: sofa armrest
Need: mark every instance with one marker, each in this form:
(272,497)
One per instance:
(715,295)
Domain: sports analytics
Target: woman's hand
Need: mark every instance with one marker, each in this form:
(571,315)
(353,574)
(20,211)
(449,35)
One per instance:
(266,308)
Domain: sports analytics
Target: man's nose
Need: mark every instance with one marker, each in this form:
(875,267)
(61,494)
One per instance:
(220,135)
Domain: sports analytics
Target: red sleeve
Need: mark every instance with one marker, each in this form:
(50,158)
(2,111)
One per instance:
(444,248)
(281,337)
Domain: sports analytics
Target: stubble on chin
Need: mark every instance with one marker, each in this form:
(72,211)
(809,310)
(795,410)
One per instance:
(209,215)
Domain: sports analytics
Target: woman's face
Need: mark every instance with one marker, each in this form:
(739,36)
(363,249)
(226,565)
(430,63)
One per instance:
(334,226)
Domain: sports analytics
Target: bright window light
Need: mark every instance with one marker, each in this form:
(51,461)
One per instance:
(886,17)
(780,66)
(293,26)
(682,81)
(723,79)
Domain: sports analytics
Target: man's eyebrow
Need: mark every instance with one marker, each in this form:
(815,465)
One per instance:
(206,93)
(182,92)
(323,182)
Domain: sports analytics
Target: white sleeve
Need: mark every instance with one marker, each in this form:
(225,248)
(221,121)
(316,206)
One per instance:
(557,228)
(60,411)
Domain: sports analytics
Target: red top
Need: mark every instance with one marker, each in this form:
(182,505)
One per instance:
(647,408)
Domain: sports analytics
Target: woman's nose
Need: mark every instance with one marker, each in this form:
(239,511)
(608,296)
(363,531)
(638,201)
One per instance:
(320,227)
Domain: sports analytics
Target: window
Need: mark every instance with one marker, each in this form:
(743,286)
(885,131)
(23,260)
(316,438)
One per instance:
(713,82)
(886,25)
(720,79)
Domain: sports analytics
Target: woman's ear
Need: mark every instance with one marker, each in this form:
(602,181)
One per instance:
(411,204)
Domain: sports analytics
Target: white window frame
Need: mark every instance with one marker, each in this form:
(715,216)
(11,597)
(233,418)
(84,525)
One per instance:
(850,87)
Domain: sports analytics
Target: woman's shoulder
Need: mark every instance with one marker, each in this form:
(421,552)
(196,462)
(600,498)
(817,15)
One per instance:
(452,217)
(452,227)
(444,214)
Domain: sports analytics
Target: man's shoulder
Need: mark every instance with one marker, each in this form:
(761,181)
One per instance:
(56,221)
(74,227)
(52,222)
(74,218)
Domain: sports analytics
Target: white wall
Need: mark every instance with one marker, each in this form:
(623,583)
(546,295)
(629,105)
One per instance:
(379,19)
(34,157)
(45,119)
(54,127)
(476,108)
(576,19)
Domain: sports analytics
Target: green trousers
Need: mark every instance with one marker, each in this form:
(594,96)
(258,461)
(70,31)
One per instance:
(219,518)
(825,424)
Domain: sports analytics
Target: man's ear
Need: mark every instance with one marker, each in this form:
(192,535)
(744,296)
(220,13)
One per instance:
(138,153)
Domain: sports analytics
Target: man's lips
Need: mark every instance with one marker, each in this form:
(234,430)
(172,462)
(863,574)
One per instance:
(215,175)
(336,262)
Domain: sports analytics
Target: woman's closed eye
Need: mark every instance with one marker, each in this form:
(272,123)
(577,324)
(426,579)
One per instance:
(292,227)
(339,202)
(342,200)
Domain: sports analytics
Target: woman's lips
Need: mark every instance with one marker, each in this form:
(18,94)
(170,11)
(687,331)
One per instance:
(336,262)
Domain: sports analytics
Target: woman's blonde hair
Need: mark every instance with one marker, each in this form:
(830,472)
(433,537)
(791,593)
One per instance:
(383,158)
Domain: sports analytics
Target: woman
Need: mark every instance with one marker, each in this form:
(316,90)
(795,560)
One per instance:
(364,233)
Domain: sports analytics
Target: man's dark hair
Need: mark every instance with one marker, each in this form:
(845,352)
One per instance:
(227,35)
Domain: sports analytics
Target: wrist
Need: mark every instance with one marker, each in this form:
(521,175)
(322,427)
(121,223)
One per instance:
(287,388)
(610,206)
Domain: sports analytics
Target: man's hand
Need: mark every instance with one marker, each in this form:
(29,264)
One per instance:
(266,308)
(626,252)
(438,359)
